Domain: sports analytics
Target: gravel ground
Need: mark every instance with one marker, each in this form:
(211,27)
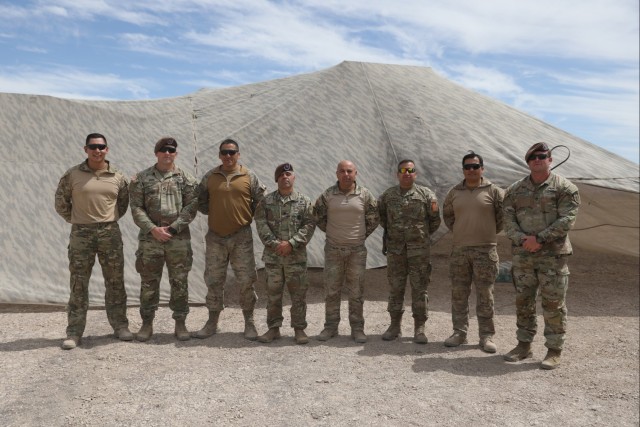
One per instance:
(226,380)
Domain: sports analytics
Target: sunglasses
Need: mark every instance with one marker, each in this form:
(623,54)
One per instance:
(167,150)
(100,147)
(539,156)
(228,152)
(474,166)
(406,170)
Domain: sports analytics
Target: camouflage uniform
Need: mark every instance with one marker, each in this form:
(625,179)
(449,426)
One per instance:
(345,263)
(87,240)
(288,218)
(473,263)
(408,220)
(236,249)
(548,211)
(161,199)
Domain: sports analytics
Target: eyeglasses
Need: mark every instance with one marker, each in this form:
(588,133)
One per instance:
(539,156)
(167,150)
(406,170)
(100,147)
(474,166)
(228,152)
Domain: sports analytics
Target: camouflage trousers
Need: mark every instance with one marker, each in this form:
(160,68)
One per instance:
(344,265)
(413,264)
(548,275)
(236,250)
(85,242)
(294,276)
(477,264)
(150,259)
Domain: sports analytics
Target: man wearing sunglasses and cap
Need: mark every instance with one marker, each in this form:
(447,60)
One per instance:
(473,212)
(164,201)
(285,224)
(409,214)
(229,194)
(92,197)
(539,210)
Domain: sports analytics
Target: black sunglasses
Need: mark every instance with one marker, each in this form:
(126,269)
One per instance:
(100,147)
(228,152)
(406,170)
(539,156)
(167,150)
(474,166)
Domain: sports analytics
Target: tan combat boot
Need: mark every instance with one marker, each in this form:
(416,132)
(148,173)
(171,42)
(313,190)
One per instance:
(456,339)
(418,335)
(181,331)
(270,335)
(551,360)
(146,330)
(209,328)
(394,330)
(71,342)
(520,352)
(358,336)
(124,334)
(327,334)
(250,332)
(487,345)
(301,337)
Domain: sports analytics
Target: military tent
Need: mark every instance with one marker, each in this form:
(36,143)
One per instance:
(372,114)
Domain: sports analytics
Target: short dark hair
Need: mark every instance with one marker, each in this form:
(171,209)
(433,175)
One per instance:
(95,136)
(472,155)
(405,161)
(229,141)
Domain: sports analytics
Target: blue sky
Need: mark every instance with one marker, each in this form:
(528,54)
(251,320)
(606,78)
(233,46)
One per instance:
(571,63)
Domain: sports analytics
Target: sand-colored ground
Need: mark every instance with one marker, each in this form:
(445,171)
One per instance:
(226,380)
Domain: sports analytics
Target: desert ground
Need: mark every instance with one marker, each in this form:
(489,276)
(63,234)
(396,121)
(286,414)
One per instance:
(226,380)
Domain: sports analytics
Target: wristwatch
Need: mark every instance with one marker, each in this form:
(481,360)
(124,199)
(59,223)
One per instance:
(539,240)
(173,231)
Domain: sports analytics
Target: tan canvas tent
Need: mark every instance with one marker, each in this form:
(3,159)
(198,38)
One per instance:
(372,114)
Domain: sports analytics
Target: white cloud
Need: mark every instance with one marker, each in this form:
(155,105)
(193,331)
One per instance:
(70,83)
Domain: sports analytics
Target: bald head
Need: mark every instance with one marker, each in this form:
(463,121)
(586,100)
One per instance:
(346,173)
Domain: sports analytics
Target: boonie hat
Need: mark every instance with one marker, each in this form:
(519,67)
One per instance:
(165,142)
(538,146)
(285,167)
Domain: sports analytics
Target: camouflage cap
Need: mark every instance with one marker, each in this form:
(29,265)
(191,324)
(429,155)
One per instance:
(538,146)
(165,142)
(285,167)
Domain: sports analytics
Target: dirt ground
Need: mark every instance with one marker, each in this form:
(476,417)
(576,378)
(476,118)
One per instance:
(226,380)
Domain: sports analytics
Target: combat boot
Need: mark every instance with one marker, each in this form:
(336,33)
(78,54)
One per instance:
(71,342)
(146,330)
(551,360)
(520,352)
(394,330)
(456,339)
(418,335)
(250,332)
(301,337)
(327,334)
(209,328)
(124,334)
(181,331)
(358,336)
(270,335)
(487,345)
